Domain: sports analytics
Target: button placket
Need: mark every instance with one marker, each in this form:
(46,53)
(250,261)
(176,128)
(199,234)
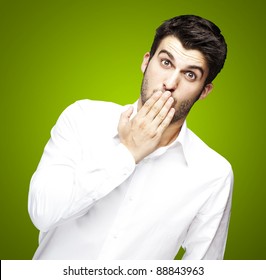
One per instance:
(125,212)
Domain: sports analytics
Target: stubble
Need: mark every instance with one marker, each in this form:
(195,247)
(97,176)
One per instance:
(182,108)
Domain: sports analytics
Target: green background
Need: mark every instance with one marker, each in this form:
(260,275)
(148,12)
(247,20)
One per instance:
(53,53)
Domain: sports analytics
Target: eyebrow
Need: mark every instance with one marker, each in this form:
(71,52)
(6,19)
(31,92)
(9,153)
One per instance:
(189,67)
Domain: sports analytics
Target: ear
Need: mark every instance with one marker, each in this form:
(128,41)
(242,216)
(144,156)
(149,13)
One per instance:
(205,92)
(145,62)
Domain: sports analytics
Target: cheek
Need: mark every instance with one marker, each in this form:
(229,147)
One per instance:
(153,70)
(155,78)
(187,91)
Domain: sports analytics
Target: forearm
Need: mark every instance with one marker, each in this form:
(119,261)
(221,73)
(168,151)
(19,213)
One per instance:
(206,237)
(59,192)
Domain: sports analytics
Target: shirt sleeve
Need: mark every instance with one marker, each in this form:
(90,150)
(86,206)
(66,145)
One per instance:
(67,181)
(206,237)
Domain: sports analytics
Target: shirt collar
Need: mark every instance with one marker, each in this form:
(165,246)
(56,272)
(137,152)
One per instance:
(183,139)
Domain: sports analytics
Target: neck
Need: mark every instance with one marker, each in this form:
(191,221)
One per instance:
(170,134)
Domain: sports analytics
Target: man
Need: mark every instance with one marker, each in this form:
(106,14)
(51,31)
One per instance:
(134,182)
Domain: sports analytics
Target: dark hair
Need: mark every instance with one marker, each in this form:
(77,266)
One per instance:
(196,33)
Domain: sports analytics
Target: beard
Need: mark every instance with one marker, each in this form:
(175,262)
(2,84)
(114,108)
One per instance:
(182,108)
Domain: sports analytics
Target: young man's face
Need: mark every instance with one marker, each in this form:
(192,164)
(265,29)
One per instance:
(175,69)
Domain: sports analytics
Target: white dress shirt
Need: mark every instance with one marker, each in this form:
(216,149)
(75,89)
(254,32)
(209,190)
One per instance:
(91,201)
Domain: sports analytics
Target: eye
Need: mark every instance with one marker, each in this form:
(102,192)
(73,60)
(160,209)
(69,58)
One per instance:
(166,63)
(191,75)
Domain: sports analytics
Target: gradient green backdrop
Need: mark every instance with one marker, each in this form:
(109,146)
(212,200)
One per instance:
(53,53)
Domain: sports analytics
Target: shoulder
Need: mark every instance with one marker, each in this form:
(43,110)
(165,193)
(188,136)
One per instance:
(87,106)
(87,116)
(88,110)
(207,159)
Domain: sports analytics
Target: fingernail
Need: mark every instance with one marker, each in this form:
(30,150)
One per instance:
(158,93)
(171,99)
(167,93)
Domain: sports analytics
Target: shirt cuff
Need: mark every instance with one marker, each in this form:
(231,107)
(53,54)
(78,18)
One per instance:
(119,164)
(98,180)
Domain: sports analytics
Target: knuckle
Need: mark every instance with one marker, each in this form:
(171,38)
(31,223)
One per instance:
(140,123)
(164,125)
(151,134)
(155,108)
(147,104)
(161,116)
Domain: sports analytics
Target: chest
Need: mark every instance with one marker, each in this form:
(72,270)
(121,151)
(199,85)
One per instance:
(166,188)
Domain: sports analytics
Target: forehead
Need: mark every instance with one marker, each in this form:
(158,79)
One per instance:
(174,46)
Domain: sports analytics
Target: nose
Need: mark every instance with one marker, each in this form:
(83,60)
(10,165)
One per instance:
(171,82)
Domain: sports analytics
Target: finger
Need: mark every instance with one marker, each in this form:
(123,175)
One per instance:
(158,106)
(165,123)
(144,110)
(159,118)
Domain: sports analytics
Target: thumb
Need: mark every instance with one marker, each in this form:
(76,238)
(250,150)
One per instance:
(125,116)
